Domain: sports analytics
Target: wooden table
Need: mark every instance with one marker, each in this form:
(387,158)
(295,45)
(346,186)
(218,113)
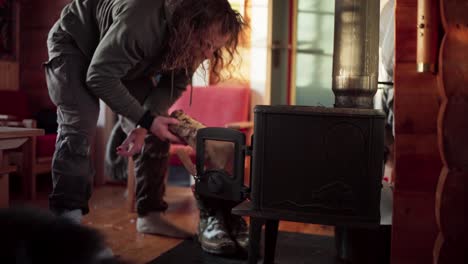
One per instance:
(12,138)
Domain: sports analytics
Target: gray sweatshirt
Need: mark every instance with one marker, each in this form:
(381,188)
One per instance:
(124,41)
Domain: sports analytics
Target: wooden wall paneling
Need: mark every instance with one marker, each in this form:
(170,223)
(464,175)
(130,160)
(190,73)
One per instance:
(9,69)
(405,30)
(413,220)
(453,136)
(35,85)
(453,13)
(417,162)
(37,19)
(420,173)
(422,119)
(9,75)
(418,145)
(451,202)
(452,51)
(34,48)
(451,196)
(421,84)
(34,54)
(40,15)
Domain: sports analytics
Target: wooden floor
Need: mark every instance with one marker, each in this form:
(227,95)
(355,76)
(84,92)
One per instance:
(110,216)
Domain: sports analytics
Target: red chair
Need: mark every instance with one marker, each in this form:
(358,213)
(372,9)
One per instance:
(213,106)
(14,111)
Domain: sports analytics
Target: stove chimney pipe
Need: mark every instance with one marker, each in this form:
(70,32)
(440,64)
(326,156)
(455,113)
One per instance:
(355,74)
(356,53)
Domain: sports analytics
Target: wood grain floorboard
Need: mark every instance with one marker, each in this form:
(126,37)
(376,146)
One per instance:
(110,216)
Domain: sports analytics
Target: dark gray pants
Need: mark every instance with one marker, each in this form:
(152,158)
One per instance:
(150,171)
(77,114)
(152,162)
(77,111)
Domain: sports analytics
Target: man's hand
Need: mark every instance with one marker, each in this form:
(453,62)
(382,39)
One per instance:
(136,139)
(133,143)
(160,128)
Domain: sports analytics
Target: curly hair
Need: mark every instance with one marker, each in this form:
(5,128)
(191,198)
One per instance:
(191,24)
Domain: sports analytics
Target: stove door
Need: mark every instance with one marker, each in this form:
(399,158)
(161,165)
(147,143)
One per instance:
(220,164)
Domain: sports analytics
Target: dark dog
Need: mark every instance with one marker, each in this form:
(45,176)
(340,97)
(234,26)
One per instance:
(30,236)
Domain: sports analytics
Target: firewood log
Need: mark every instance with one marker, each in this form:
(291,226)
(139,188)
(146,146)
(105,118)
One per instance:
(187,128)
(218,154)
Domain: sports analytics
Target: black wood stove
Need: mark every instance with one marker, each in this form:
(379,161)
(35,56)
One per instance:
(308,164)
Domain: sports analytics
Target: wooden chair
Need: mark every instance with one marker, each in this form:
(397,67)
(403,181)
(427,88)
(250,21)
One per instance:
(131,185)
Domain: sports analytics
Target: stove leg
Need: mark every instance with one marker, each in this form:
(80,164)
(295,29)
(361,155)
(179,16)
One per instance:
(271,235)
(255,233)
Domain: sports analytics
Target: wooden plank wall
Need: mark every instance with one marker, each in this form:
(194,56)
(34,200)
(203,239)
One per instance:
(37,17)
(451,200)
(9,69)
(417,159)
(9,75)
